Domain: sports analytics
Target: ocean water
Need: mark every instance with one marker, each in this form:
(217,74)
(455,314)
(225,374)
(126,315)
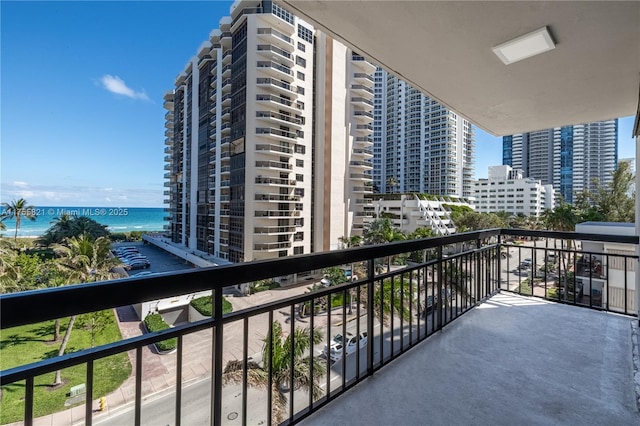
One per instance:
(117,219)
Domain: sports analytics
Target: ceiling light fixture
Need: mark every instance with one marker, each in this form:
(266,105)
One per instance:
(526,46)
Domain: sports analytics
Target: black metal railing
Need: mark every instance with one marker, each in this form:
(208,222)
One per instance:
(383,312)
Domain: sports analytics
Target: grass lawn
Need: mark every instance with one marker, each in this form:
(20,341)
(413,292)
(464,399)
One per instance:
(31,343)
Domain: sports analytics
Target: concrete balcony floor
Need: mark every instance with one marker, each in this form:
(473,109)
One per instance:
(511,361)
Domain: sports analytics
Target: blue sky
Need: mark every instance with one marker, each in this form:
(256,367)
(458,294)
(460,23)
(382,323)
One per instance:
(82,122)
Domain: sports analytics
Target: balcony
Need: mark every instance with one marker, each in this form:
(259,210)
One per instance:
(273,52)
(276,70)
(510,352)
(284,119)
(276,134)
(278,103)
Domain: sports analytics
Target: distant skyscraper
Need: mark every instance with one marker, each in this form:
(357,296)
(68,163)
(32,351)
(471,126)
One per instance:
(568,157)
(419,145)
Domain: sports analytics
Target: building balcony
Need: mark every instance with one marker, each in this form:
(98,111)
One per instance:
(274,149)
(277,197)
(260,180)
(271,246)
(276,134)
(277,86)
(273,36)
(278,103)
(274,230)
(363,78)
(276,70)
(282,119)
(516,349)
(275,53)
(277,213)
(362,90)
(276,165)
(363,115)
(226,72)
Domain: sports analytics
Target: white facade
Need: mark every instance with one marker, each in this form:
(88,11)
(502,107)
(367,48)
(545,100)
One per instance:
(251,173)
(506,189)
(418,143)
(409,212)
(608,267)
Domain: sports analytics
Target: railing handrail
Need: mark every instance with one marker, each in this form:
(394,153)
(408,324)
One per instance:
(32,306)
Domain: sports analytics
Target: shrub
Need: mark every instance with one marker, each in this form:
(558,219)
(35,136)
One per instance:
(263,285)
(154,323)
(204,305)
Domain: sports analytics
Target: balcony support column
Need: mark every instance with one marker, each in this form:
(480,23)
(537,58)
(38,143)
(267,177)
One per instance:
(637,206)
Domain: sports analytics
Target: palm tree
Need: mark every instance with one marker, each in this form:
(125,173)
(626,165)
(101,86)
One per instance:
(83,259)
(280,354)
(392,182)
(18,209)
(382,231)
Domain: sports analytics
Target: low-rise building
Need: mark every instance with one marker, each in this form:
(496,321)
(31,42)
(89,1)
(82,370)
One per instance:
(606,272)
(507,190)
(409,212)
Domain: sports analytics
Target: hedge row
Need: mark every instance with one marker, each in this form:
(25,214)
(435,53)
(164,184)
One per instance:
(204,305)
(155,322)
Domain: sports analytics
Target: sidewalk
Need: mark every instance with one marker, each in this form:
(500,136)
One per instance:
(159,371)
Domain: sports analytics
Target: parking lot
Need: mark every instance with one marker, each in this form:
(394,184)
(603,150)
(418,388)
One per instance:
(160,260)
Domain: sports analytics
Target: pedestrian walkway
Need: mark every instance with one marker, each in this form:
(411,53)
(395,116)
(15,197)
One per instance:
(159,371)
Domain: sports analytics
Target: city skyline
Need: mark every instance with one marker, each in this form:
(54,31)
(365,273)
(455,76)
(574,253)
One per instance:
(82,122)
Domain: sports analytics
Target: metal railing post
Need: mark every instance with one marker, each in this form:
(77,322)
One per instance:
(439,303)
(370,315)
(216,380)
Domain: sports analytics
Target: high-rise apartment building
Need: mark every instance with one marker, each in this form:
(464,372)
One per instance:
(263,159)
(419,145)
(568,157)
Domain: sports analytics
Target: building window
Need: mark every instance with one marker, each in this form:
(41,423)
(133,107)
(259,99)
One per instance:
(300,76)
(301,47)
(299,163)
(281,13)
(305,34)
(299,149)
(300,178)
(298,250)
(301,61)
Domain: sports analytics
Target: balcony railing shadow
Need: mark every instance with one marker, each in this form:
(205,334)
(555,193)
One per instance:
(396,307)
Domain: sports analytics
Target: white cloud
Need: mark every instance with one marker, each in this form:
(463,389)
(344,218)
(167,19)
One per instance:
(115,84)
(107,189)
(83,196)
(20,184)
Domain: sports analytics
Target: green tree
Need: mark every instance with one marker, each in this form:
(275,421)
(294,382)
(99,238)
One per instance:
(18,209)
(392,183)
(67,226)
(282,351)
(475,221)
(84,259)
(612,202)
(382,231)
(95,322)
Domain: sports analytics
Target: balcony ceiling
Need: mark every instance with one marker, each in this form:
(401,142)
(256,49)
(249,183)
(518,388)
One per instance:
(445,49)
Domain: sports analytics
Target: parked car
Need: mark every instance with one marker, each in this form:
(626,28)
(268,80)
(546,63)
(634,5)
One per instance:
(142,274)
(130,260)
(140,264)
(334,351)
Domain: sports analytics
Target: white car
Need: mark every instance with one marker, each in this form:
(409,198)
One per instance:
(334,352)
